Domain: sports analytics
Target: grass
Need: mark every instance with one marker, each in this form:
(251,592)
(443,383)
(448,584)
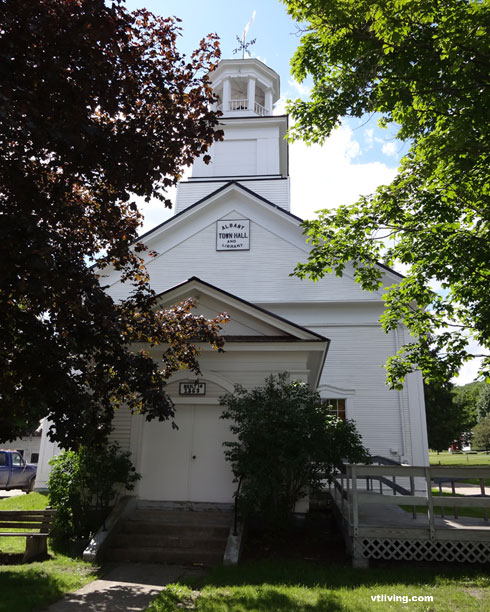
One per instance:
(31,587)
(448,511)
(293,586)
(460,459)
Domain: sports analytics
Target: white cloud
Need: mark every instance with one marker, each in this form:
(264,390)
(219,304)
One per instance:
(390,149)
(301,89)
(369,137)
(469,372)
(280,106)
(326,176)
(155,212)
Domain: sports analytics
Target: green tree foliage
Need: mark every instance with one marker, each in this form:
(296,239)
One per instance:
(97,105)
(481,434)
(83,486)
(466,397)
(446,421)
(483,403)
(285,440)
(424,66)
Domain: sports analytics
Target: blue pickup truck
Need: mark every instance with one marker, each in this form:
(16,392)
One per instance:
(15,473)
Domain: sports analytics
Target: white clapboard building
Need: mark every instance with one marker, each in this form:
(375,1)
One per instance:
(232,245)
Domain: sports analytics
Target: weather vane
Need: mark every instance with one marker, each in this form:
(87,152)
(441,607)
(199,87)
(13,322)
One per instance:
(243,46)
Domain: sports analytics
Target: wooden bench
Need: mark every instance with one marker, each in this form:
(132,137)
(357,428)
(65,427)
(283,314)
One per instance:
(36,526)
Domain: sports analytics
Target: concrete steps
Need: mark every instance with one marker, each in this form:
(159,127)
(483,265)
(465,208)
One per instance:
(174,537)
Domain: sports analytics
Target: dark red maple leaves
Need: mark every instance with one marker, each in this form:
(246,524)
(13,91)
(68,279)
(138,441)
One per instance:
(96,105)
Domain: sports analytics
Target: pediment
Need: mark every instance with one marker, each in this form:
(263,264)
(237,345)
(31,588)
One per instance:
(187,245)
(247,322)
(232,199)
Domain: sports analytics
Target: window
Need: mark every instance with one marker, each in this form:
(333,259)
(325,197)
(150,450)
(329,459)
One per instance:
(3,459)
(17,460)
(336,407)
(34,457)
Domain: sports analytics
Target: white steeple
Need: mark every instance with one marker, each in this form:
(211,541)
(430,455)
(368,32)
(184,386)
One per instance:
(254,151)
(245,88)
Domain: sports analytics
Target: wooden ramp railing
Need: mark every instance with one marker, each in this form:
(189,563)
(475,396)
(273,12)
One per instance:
(391,512)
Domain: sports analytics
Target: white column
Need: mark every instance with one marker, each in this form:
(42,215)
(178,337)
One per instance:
(268,101)
(226,95)
(251,93)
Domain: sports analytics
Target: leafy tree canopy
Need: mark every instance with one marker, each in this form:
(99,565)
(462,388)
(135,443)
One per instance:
(424,66)
(97,105)
(466,398)
(481,434)
(446,420)
(483,403)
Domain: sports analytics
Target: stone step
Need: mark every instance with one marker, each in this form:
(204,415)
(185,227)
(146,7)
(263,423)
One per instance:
(183,541)
(172,536)
(176,556)
(197,531)
(182,517)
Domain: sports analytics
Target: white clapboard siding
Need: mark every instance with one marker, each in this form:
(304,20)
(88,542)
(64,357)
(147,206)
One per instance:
(355,361)
(334,307)
(275,190)
(122,428)
(261,274)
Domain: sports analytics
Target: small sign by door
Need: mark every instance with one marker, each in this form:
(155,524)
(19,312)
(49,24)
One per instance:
(192,388)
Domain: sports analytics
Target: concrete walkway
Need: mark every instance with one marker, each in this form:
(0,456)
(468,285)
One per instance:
(128,587)
(462,488)
(11,493)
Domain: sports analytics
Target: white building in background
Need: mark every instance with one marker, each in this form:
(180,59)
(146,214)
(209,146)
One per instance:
(232,245)
(28,446)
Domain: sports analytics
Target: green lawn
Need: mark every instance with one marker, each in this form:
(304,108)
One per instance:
(463,459)
(31,587)
(287,586)
(448,511)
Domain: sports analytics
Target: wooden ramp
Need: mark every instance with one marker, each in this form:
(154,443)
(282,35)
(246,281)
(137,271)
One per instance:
(391,512)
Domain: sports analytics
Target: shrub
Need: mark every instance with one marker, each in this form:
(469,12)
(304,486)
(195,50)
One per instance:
(286,441)
(84,485)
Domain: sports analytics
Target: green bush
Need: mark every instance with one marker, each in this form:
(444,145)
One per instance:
(84,485)
(286,440)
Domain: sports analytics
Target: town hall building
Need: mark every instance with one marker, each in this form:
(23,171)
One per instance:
(232,245)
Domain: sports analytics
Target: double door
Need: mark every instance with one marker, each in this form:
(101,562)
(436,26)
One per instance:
(188,463)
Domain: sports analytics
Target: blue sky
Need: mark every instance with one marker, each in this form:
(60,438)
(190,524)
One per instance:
(277,39)
(357,158)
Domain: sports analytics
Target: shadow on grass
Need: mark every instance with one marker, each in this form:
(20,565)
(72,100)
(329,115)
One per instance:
(337,576)
(262,599)
(11,558)
(276,585)
(27,590)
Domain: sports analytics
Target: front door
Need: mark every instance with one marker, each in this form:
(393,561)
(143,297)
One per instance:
(187,464)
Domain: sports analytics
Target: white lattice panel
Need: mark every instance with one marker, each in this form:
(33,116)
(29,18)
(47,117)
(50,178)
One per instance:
(422,550)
